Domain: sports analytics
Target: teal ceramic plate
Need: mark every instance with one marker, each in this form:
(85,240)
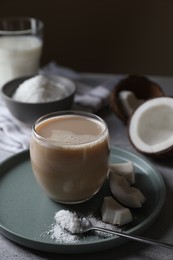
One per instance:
(26,213)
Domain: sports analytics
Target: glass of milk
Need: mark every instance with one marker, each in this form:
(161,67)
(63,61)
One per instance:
(21,41)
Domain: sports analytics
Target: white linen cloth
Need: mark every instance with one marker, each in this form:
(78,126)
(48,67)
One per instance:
(15,136)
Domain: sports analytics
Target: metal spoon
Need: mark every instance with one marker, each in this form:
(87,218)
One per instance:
(86,226)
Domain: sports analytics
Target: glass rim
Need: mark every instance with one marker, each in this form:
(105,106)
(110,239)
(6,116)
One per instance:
(36,25)
(54,143)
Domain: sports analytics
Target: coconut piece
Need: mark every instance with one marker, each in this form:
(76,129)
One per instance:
(114,213)
(151,127)
(129,102)
(119,179)
(125,169)
(125,194)
(140,86)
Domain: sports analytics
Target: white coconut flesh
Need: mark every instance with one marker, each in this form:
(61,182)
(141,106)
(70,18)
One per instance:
(151,125)
(125,169)
(114,213)
(124,193)
(129,101)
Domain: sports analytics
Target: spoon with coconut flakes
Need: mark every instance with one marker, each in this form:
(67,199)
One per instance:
(77,226)
(86,226)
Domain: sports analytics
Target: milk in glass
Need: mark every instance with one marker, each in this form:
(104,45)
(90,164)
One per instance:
(19,56)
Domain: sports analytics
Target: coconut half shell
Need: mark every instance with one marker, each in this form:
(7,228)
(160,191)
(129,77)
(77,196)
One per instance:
(151,127)
(137,89)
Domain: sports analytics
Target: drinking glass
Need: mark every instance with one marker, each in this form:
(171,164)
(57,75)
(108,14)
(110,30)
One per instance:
(69,154)
(21,42)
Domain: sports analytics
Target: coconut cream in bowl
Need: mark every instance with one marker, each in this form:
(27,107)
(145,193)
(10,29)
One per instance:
(28,98)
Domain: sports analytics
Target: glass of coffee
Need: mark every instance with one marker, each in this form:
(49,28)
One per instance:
(69,153)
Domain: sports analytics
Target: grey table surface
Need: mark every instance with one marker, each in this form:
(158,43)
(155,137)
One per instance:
(161,229)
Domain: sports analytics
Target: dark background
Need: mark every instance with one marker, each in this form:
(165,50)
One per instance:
(108,36)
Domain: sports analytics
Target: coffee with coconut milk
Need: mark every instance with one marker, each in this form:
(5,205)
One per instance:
(69,155)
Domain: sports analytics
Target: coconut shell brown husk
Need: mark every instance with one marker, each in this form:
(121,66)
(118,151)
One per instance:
(141,86)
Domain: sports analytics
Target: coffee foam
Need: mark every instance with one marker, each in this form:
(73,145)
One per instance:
(65,133)
(67,137)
